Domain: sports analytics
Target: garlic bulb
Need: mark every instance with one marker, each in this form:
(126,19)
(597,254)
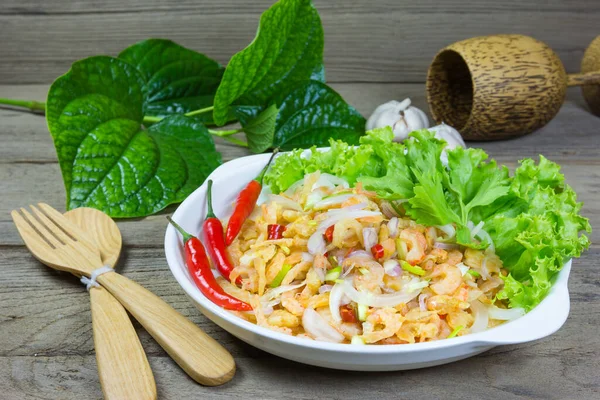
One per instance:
(451,136)
(400,116)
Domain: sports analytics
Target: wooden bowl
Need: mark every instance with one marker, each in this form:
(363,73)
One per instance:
(496,87)
(591,64)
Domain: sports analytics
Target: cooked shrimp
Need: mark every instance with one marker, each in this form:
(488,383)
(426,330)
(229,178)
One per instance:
(459,318)
(421,325)
(381,324)
(446,279)
(416,243)
(290,303)
(370,275)
(444,304)
(283,318)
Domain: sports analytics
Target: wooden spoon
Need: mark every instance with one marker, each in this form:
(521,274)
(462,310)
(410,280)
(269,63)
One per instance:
(199,355)
(122,364)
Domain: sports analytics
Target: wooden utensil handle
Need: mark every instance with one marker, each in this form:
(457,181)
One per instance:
(587,78)
(122,364)
(199,355)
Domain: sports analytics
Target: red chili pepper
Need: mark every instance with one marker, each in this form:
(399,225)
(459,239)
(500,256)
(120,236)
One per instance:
(245,204)
(199,267)
(377,251)
(275,231)
(347,313)
(329,233)
(213,233)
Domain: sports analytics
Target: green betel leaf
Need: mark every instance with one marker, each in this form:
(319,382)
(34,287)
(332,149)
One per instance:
(260,129)
(176,80)
(108,161)
(313,113)
(287,50)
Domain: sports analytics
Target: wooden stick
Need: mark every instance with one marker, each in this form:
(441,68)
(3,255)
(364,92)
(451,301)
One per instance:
(588,78)
(199,355)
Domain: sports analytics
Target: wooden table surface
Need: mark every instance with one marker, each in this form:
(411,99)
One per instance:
(46,346)
(375,51)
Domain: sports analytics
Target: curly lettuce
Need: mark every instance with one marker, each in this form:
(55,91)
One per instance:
(532,217)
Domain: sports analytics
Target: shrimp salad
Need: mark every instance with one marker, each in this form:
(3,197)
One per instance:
(347,266)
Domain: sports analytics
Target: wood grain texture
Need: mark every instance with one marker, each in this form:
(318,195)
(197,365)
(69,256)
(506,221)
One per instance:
(25,7)
(58,329)
(388,42)
(123,368)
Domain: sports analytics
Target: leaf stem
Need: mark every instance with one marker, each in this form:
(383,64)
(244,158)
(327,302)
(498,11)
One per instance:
(235,141)
(200,111)
(31,104)
(225,133)
(151,119)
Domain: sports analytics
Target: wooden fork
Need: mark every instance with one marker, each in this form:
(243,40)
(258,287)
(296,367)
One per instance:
(60,244)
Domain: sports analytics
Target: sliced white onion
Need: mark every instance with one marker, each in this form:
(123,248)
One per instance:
(360,253)
(292,189)
(268,311)
(415,285)
(388,210)
(316,326)
(393,226)
(505,314)
(483,235)
(284,202)
(463,268)
(329,181)
(276,292)
(353,207)
(485,273)
(422,298)
(448,229)
(392,268)
(335,299)
(345,300)
(381,300)
(263,195)
(480,315)
(446,246)
(332,201)
(369,237)
(344,214)
(473,285)
(312,199)
(307,257)
(320,274)
(246,259)
(325,289)
(476,229)
(316,243)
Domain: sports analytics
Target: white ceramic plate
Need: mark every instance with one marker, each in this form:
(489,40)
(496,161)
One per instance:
(232,177)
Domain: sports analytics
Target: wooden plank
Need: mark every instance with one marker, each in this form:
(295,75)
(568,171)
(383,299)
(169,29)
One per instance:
(47,348)
(17,7)
(506,375)
(571,136)
(392,45)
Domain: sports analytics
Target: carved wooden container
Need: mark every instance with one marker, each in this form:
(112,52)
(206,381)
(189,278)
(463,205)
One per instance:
(497,87)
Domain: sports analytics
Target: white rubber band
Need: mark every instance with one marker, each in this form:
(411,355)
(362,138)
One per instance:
(91,281)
